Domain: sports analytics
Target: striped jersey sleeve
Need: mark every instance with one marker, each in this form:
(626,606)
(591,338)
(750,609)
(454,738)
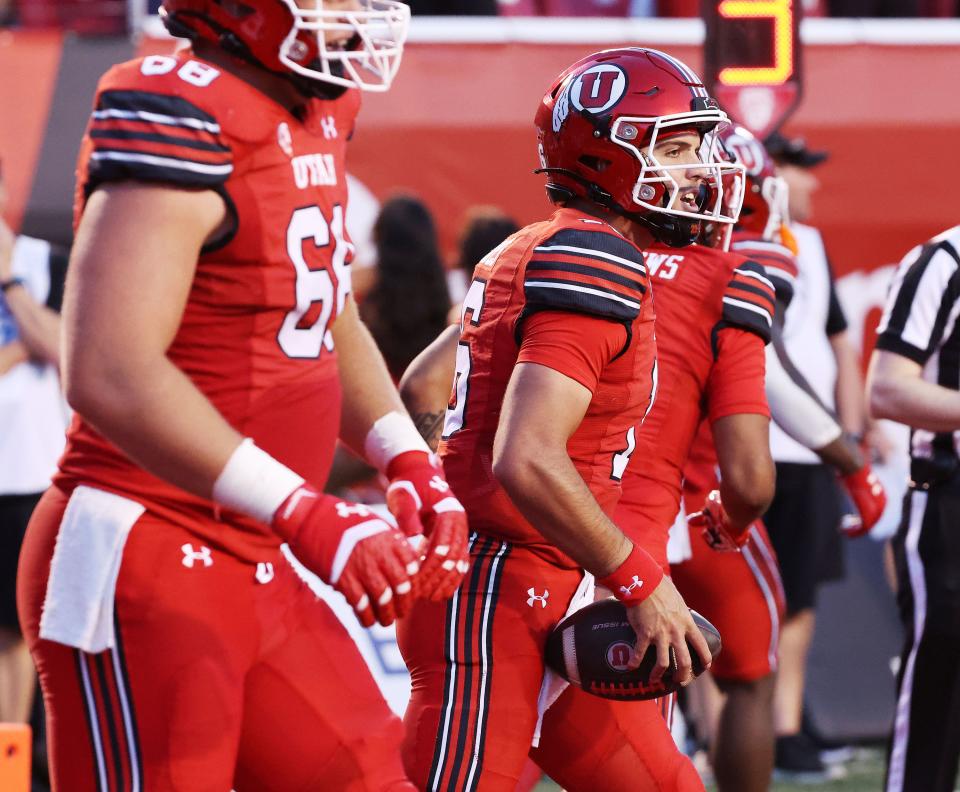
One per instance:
(778,261)
(589,272)
(924,298)
(748,300)
(155,137)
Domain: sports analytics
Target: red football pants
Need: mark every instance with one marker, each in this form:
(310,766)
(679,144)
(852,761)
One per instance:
(590,744)
(217,680)
(742,596)
(477,666)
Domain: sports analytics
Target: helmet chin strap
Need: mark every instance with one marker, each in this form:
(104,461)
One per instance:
(317,89)
(671,230)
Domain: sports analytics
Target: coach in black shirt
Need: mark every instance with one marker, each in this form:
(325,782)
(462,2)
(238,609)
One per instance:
(915,380)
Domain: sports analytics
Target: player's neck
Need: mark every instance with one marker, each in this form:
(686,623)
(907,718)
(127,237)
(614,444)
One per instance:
(636,233)
(272,85)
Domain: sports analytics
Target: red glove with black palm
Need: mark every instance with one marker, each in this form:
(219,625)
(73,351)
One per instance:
(422,502)
(868,495)
(714,524)
(367,560)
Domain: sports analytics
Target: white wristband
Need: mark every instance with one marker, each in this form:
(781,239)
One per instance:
(254,483)
(392,434)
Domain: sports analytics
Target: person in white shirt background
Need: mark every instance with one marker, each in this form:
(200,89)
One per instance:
(33,419)
(805,516)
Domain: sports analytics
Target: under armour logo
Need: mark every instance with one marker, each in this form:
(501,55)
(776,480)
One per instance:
(191,556)
(534,597)
(628,590)
(264,572)
(329,126)
(439,484)
(346,509)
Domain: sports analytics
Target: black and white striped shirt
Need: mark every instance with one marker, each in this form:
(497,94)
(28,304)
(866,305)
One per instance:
(920,322)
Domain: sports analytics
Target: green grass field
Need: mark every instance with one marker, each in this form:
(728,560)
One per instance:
(863,774)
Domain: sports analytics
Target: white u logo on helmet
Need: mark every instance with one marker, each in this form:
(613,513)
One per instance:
(598,89)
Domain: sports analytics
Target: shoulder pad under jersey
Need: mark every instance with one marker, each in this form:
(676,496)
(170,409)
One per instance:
(587,271)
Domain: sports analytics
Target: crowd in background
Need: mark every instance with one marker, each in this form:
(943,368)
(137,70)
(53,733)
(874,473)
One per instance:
(105,17)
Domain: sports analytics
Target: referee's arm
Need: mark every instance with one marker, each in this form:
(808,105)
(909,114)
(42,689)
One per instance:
(898,392)
(914,375)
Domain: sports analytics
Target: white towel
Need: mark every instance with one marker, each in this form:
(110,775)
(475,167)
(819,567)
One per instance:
(553,684)
(78,606)
(678,540)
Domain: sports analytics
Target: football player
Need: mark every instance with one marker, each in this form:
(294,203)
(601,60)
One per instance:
(555,370)
(212,354)
(741,593)
(706,305)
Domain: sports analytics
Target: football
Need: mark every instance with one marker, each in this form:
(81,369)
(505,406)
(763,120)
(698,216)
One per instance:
(591,649)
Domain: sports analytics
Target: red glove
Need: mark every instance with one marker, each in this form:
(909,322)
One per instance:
(714,524)
(867,494)
(348,546)
(421,500)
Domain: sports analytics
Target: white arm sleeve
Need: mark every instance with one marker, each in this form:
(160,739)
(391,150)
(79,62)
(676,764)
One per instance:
(795,410)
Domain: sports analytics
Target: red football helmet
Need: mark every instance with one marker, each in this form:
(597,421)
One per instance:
(599,126)
(764,209)
(347,45)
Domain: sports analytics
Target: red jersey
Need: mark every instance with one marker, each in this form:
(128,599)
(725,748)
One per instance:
(778,260)
(572,265)
(714,315)
(700,474)
(254,336)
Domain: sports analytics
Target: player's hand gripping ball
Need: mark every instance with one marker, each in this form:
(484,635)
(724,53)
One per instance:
(592,647)
(422,502)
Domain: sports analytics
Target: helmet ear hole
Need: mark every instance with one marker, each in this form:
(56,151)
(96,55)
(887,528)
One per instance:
(597,164)
(236,9)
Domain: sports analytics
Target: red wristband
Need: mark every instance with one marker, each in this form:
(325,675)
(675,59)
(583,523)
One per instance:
(636,578)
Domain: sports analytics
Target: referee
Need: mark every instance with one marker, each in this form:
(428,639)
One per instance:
(915,380)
